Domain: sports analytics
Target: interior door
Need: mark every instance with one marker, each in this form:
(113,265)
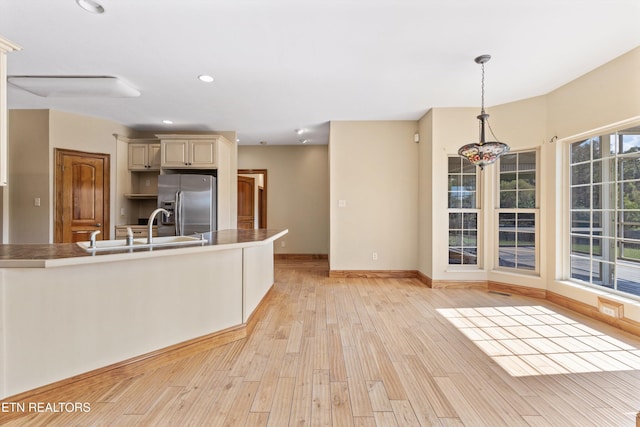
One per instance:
(246,202)
(82,196)
(262,209)
(260,176)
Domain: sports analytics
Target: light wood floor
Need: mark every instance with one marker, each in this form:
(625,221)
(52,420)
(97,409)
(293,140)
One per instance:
(384,352)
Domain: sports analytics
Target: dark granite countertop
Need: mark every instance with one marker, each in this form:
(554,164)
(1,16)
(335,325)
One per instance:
(36,255)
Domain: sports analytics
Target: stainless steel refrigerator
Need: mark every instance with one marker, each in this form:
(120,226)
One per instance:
(191,199)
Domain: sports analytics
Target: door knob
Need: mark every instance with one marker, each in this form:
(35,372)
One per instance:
(97,225)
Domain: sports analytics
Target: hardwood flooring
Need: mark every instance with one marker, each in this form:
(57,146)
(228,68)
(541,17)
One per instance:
(383,352)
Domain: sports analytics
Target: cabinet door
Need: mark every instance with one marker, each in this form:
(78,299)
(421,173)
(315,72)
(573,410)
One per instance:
(138,156)
(175,154)
(203,154)
(154,156)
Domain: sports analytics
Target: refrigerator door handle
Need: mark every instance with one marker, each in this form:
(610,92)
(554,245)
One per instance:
(178,213)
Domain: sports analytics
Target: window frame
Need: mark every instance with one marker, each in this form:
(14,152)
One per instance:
(516,210)
(568,209)
(465,210)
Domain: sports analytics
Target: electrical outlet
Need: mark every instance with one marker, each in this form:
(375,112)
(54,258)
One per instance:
(283,244)
(374,256)
(147,183)
(611,308)
(608,311)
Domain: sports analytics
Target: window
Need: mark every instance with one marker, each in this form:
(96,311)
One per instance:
(517,212)
(463,212)
(605,211)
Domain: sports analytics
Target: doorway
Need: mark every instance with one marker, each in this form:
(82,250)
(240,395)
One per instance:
(259,198)
(82,188)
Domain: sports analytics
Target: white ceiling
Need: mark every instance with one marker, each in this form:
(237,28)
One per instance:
(281,65)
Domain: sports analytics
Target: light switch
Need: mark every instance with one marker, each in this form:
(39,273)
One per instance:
(342,203)
(36,201)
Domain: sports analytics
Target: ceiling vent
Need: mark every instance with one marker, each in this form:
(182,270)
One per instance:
(75,86)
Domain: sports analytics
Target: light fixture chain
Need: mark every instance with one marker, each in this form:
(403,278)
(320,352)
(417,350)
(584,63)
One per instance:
(482,96)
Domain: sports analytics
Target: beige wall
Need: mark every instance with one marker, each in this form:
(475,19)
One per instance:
(522,126)
(374,169)
(606,99)
(601,97)
(33,136)
(29,176)
(425,195)
(297,193)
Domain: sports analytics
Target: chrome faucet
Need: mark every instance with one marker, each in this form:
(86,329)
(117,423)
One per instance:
(129,240)
(150,223)
(92,238)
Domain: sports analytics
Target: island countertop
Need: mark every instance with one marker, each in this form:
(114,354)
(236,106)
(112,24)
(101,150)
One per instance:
(59,254)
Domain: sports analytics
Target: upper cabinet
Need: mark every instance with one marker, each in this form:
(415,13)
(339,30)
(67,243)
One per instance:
(192,151)
(195,153)
(147,159)
(144,156)
(5,46)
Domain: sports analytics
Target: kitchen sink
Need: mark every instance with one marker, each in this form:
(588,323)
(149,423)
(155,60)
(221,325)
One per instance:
(114,245)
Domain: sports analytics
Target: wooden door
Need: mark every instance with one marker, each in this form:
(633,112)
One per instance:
(262,209)
(246,202)
(82,196)
(262,193)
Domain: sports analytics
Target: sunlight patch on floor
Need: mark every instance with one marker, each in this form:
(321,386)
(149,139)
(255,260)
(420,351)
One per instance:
(534,340)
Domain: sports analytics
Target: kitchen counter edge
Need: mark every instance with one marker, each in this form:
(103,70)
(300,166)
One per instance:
(65,254)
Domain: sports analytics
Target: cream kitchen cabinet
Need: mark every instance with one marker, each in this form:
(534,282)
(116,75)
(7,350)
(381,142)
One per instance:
(207,154)
(191,151)
(137,184)
(5,47)
(137,171)
(144,156)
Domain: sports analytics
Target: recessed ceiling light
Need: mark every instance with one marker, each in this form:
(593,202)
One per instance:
(167,122)
(299,131)
(205,78)
(90,6)
(304,141)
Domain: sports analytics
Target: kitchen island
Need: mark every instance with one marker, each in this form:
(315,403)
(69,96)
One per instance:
(65,311)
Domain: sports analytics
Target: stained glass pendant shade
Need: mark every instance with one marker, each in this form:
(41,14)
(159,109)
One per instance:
(483,153)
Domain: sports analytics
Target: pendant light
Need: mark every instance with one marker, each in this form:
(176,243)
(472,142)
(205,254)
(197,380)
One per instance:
(483,153)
